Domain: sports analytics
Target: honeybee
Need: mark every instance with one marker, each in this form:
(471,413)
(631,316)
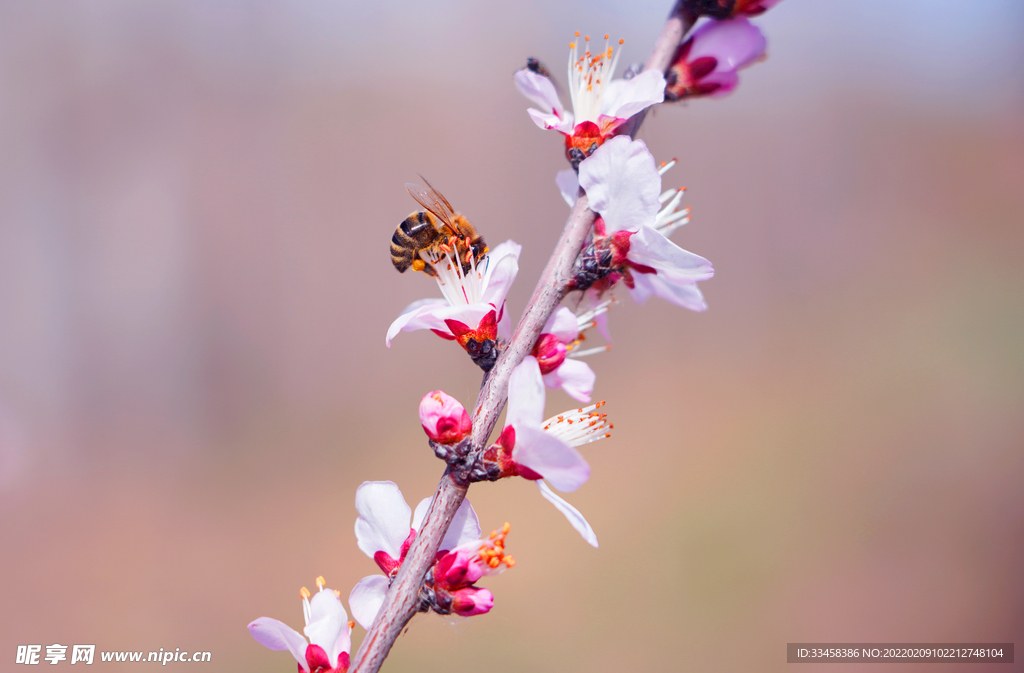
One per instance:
(533,65)
(536,66)
(436,231)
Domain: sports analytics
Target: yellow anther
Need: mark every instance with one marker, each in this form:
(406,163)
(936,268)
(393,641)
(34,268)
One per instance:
(509,561)
(606,36)
(337,593)
(621,41)
(351,624)
(320,582)
(304,593)
(506,528)
(587,38)
(577,33)
(572,45)
(493,562)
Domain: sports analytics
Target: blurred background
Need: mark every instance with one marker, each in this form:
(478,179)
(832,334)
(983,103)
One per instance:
(195,200)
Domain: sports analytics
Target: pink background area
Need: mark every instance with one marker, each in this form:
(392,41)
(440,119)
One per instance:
(194,205)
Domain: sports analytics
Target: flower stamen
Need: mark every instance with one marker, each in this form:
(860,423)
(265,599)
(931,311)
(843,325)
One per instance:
(580,426)
(492,552)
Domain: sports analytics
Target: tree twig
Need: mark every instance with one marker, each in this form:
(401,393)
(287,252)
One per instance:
(403,598)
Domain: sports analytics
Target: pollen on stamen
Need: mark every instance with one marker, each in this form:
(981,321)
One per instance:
(337,593)
(621,41)
(351,624)
(304,593)
(321,582)
(577,33)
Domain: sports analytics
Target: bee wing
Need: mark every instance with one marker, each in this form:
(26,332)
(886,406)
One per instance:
(431,199)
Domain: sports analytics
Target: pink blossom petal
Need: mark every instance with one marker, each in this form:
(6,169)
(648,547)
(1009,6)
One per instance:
(685,294)
(726,81)
(540,90)
(328,624)
(551,122)
(622,184)
(503,266)
(568,184)
(550,457)
(576,378)
(432,315)
(650,248)
(571,513)
(366,598)
(563,324)
(525,395)
(465,526)
(383,523)
(411,318)
(625,97)
(504,323)
(277,635)
(734,43)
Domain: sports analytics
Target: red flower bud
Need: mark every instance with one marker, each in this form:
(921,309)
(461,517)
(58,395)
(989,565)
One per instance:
(472,601)
(444,420)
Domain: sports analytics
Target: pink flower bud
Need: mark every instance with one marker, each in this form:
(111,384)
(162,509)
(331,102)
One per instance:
(443,418)
(550,353)
(460,567)
(472,601)
(706,64)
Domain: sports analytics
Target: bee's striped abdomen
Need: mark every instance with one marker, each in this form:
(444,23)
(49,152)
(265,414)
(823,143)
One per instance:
(415,232)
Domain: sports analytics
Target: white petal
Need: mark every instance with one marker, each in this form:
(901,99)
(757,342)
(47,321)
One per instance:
(366,599)
(420,513)
(328,624)
(502,268)
(622,184)
(625,97)
(642,288)
(464,528)
(550,457)
(650,248)
(538,89)
(504,323)
(525,396)
(413,317)
(571,513)
(576,378)
(277,635)
(563,324)
(568,185)
(551,122)
(465,525)
(383,523)
(685,294)
(432,316)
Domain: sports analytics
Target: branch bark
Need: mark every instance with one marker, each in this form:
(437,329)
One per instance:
(403,598)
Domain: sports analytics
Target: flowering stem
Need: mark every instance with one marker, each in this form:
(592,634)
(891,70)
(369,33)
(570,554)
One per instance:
(403,598)
(678,24)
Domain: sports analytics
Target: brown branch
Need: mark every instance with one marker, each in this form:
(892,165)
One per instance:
(403,598)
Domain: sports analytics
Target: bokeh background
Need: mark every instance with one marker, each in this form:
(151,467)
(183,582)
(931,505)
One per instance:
(195,199)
